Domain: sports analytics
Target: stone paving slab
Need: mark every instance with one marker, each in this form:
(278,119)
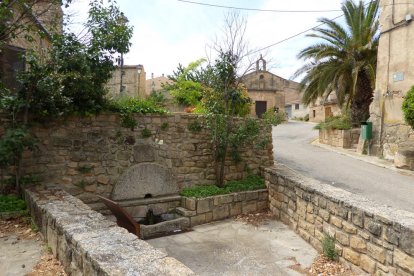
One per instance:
(17,257)
(233,248)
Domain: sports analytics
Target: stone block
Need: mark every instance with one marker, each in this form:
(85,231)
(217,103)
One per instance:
(374,228)
(204,205)
(249,207)
(352,256)
(342,238)
(358,244)
(221,212)
(251,195)
(403,260)
(348,227)
(376,252)
(239,196)
(225,199)
(190,203)
(336,221)
(185,212)
(197,220)
(407,240)
(367,264)
(324,214)
(357,218)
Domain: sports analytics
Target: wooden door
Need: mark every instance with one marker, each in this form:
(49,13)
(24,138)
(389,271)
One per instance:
(261,107)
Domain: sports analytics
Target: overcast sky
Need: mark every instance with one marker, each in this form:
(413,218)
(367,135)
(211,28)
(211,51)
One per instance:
(168,32)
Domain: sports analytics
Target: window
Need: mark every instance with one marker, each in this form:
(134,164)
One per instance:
(261,77)
(296,106)
(314,113)
(11,63)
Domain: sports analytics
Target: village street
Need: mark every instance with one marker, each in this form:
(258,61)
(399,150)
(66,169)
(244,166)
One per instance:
(292,147)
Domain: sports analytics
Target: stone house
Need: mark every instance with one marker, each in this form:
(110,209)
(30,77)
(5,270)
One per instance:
(41,21)
(133,78)
(267,90)
(294,107)
(395,76)
(324,108)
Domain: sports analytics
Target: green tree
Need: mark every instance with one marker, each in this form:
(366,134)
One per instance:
(72,78)
(344,62)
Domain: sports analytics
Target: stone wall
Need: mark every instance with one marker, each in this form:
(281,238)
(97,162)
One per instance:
(394,77)
(205,210)
(88,244)
(90,155)
(378,239)
(343,138)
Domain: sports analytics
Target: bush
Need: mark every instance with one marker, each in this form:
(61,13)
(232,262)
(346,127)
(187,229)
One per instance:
(135,105)
(252,182)
(335,122)
(408,107)
(11,203)
(328,247)
(274,118)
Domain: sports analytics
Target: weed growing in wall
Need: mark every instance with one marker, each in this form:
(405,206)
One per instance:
(328,247)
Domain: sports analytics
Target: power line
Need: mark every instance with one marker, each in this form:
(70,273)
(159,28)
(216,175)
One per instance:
(293,36)
(298,34)
(252,9)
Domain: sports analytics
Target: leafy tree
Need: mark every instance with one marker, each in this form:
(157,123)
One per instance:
(72,78)
(408,107)
(344,62)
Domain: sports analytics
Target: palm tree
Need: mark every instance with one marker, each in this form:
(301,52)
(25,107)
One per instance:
(344,62)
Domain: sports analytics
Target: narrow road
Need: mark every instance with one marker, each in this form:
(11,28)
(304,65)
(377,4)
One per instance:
(292,147)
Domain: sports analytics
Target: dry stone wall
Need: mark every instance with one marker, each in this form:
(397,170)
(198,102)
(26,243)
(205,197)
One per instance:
(88,244)
(374,238)
(89,155)
(343,138)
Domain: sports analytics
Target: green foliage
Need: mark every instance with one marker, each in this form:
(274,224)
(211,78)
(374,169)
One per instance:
(252,182)
(408,107)
(195,126)
(344,59)
(25,180)
(335,122)
(185,89)
(164,126)
(157,97)
(328,248)
(11,203)
(12,145)
(34,226)
(135,105)
(274,118)
(128,121)
(145,133)
(72,78)
(85,168)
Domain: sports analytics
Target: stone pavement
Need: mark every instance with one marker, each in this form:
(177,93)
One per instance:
(231,247)
(377,182)
(17,256)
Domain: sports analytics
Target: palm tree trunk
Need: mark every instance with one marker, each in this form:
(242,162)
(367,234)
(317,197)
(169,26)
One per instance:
(362,99)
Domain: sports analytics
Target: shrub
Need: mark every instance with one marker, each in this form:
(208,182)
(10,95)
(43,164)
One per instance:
(335,122)
(135,105)
(145,133)
(252,182)
(408,107)
(10,203)
(274,118)
(328,247)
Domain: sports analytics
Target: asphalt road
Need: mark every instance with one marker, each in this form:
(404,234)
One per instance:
(291,143)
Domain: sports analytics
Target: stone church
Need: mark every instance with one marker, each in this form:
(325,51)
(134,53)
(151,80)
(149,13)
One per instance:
(267,90)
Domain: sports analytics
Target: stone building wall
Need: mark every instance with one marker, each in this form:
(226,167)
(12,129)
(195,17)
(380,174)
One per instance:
(375,238)
(90,155)
(395,76)
(133,82)
(343,138)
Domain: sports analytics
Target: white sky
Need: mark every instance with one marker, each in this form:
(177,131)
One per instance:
(168,32)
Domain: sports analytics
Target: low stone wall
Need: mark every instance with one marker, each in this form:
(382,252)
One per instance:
(343,138)
(92,155)
(88,244)
(204,210)
(378,239)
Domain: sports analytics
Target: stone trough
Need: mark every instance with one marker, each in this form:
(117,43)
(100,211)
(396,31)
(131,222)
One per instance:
(170,224)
